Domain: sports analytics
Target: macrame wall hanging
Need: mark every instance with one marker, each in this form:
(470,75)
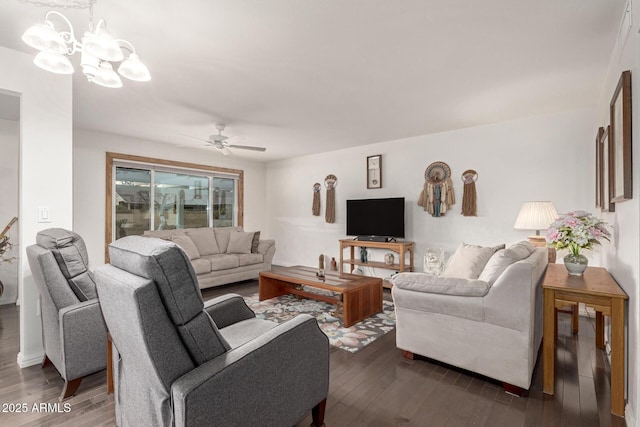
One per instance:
(330,183)
(437,193)
(469,206)
(315,207)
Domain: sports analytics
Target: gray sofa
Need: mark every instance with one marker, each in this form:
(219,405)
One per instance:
(221,255)
(491,324)
(182,362)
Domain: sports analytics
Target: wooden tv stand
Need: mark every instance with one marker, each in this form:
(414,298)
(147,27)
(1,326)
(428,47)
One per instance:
(402,248)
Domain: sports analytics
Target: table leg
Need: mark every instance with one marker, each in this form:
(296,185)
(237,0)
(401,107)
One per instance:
(617,356)
(599,330)
(548,342)
(574,318)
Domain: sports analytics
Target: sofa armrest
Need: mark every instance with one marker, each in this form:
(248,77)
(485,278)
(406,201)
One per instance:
(84,339)
(272,380)
(268,249)
(228,309)
(428,283)
(515,296)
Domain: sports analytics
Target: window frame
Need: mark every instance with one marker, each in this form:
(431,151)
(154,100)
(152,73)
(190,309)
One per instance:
(128,160)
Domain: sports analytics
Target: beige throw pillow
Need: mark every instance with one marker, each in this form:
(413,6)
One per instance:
(240,242)
(205,240)
(502,259)
(468,261)
(187,245)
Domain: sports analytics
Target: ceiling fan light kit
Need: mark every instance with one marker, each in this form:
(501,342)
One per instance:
(99,49)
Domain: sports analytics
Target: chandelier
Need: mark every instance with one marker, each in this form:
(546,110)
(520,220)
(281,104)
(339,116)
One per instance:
(98,51)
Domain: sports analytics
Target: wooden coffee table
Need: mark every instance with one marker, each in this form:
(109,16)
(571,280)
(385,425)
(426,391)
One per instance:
(358,296)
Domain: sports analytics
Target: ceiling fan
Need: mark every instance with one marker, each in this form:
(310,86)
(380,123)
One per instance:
(220,143)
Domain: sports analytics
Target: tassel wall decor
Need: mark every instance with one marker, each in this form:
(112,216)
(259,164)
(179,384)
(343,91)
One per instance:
(469,206)
(315,207)
(330,183)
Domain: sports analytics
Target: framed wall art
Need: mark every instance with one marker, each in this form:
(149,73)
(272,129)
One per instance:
(374,171)
(605,161)
(620,140)
(599,167)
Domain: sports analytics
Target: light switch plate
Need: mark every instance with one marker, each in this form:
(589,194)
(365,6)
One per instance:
(44,214)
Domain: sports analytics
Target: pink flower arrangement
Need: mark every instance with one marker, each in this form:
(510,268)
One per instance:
(576,231)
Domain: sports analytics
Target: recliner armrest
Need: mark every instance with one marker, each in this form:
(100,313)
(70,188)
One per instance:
(272,380)
(227,310)
(84,339)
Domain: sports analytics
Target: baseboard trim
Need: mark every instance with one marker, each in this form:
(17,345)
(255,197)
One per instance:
(629,417)
(31,360)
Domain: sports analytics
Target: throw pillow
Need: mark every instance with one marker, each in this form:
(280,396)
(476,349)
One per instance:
(187,246)
(502,259)
(468,261)
(240,242)
(255,242)
(205,240)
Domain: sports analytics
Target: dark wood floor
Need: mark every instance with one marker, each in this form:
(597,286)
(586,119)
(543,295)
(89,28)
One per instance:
(374,387)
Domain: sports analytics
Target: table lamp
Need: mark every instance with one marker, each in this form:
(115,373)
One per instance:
(537,216)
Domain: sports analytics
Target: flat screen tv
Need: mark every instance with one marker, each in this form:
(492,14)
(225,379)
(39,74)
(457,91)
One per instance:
(375,219)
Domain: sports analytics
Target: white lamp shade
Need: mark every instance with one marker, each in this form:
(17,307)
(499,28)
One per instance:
(133,69)
(101,44)
(535,216)
(105,76)
(53,62)
(43,36)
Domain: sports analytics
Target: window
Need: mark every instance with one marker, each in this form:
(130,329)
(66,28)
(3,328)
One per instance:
(155,194)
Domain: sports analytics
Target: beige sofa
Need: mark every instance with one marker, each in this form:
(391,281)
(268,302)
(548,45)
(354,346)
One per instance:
(221,255)
(490,324)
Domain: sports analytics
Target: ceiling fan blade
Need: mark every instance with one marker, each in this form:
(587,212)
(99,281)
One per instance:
(248,147)
(226,151)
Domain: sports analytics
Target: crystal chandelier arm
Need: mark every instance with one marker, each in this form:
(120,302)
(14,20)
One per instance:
(67,36)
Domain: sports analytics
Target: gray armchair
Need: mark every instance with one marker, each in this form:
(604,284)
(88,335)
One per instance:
(74,333)
(182,362)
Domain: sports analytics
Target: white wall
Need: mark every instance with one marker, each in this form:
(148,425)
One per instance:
(622,256)
(89,160)
(541,158)
(45,173)
(9,146)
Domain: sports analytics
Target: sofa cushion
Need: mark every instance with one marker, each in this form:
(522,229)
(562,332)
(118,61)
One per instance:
(503,258)
(222,237)
(429,283)
(468,261)
(250,259)
(223,261)
(70,254)
(186,244)
(255,242)
(205,240)
(240,242)
(201,266)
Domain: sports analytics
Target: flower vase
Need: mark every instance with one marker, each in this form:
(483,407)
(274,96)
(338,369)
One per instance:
(576,264)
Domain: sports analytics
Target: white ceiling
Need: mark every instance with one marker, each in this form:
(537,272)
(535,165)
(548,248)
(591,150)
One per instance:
(306,76)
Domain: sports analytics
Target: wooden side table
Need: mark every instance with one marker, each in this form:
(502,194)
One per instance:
(597,289)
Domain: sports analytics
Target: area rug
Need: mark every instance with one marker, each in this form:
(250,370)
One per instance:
(351,339)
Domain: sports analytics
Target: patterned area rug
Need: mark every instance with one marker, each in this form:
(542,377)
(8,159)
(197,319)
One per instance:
(352,339)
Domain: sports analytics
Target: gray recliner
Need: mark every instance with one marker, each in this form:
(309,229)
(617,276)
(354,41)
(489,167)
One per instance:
(182,362)
(74,332)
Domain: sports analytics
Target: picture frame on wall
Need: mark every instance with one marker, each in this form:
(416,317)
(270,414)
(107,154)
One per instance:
(598,174)
(606,190)
(374,171)
(620,140)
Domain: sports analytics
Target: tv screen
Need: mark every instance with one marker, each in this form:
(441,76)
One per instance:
(375,217)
